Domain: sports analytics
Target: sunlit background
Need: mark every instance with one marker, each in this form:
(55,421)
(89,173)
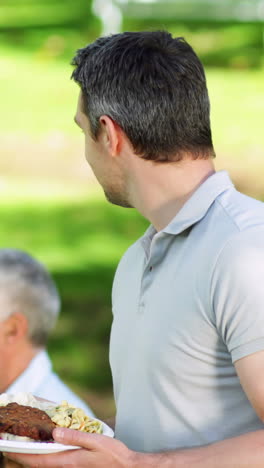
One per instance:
(51,205)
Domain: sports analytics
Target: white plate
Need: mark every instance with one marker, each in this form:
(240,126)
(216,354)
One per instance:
(33,447)
(43,447)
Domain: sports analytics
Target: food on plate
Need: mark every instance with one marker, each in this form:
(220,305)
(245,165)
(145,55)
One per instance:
(65,415)
(25,418)
(23,398)
(25,421)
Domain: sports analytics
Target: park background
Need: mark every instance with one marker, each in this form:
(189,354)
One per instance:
(51,205)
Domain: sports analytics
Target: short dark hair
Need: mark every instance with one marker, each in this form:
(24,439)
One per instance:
(153,86)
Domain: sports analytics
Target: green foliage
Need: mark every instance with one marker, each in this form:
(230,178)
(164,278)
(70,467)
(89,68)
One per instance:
(42,13)
(55,28)
(51,29)
(218,44)
(212,11)
(81,243)
(52,43)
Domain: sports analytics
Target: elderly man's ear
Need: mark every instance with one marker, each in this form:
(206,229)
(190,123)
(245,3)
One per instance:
(15,328)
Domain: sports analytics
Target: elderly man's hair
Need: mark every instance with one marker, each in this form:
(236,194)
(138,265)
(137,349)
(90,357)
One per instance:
(154,87)
(28,288)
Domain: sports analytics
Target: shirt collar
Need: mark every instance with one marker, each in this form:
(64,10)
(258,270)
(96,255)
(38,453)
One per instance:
(196,206)
(33,375)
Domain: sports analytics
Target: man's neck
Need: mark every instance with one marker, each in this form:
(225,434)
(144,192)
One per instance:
(17,364)
(161,190)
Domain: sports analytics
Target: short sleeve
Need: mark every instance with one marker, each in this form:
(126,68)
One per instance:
(237,293)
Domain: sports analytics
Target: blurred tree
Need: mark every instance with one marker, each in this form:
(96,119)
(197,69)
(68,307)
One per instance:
(197,10)
(42,13)
(224,32)
(51,28)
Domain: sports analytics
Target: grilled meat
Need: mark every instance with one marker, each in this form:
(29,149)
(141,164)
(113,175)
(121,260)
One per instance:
(25,421)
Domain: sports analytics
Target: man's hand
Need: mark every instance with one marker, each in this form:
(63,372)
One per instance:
(97,451)
(11,464)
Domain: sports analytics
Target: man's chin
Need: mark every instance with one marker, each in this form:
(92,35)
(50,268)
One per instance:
(117,200)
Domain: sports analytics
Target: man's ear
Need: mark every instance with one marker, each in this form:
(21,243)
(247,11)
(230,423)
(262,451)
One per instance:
(15,328)
(112,135)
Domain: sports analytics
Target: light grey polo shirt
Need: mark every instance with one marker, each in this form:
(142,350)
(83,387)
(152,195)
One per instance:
(187,302)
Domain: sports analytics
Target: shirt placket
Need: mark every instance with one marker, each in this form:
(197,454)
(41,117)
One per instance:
(156,250)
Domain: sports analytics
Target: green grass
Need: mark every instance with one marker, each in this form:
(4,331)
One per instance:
(69,234)
(81,241)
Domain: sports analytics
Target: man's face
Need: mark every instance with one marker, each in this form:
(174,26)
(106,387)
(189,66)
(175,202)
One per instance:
(107,170)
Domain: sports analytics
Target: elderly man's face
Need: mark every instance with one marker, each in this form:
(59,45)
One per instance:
(4,354)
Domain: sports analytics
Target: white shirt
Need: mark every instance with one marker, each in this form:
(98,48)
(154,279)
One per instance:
(40,380)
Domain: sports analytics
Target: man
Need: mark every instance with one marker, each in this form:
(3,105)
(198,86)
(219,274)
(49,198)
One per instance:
(29,307)
(187,338)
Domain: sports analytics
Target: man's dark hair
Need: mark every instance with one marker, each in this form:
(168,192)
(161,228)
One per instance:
(153,86)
